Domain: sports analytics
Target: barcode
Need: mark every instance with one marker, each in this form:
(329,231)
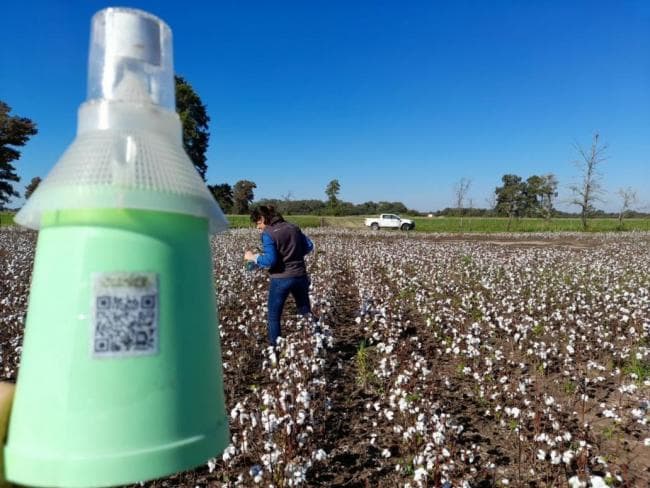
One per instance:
(125,314)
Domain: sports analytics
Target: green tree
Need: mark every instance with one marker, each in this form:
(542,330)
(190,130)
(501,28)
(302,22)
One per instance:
(223,195)
(548,192)
(14,131)
(332,190)
(511,197)
(29,189)
(194,118)
(243,195)
(533,196)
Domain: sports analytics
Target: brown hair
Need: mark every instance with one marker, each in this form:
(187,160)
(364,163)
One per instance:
(267,213)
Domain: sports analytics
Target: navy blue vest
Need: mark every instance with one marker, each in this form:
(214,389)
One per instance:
(290,243)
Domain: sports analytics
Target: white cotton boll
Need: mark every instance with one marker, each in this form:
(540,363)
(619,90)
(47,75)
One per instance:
(403,404)
(234,412)
(302,417)
(541,454)
(385,453)
(420,474)
(320,455)
(228,453)
(389,414)
(628,388)
(555,457)
(438,437)
(574,482)
(304,398)
(567,457)
(212,464)
(514,412)
(598,482)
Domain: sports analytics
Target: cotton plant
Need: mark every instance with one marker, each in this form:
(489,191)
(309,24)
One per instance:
(544,347)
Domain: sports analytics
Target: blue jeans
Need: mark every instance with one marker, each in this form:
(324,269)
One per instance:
(278,292)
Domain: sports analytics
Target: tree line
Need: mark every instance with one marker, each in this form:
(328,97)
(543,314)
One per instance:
(515,198)
(238,198)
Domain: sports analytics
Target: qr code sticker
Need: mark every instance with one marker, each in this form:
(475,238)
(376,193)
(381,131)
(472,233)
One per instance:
(125,312)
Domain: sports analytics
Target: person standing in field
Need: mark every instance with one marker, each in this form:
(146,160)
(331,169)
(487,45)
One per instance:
(284,248)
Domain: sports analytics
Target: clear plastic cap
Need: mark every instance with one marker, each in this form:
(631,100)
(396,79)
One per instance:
(131,58)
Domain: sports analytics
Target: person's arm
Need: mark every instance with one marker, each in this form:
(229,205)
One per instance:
(269,254)
(308,244)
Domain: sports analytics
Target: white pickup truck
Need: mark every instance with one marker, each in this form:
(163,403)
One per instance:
(389,221)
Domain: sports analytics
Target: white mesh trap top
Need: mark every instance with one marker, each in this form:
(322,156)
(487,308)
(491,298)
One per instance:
(141,165)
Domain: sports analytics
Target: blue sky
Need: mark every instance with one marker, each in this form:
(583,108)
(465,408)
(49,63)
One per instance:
(398,100)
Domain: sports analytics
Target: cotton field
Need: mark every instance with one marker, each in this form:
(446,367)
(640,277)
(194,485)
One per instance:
(432,361)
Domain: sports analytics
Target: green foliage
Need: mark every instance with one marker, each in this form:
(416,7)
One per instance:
(610,431)
(569,387)
(364,371)
(540,192)
(511,197)
(530,198)
(223,194)
(638,367)
(243,221)
(332,190)
(496,224)
(6,218)
(29,189)
(242,194)
(320,207)
(194,118)
(14,132)
(538,329)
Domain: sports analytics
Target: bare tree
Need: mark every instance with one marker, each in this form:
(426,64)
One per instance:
(286,202)
(589,189)
(628,199)
(491,202)
(460,192)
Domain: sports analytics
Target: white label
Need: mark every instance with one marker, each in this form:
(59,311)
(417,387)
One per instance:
(125,311)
